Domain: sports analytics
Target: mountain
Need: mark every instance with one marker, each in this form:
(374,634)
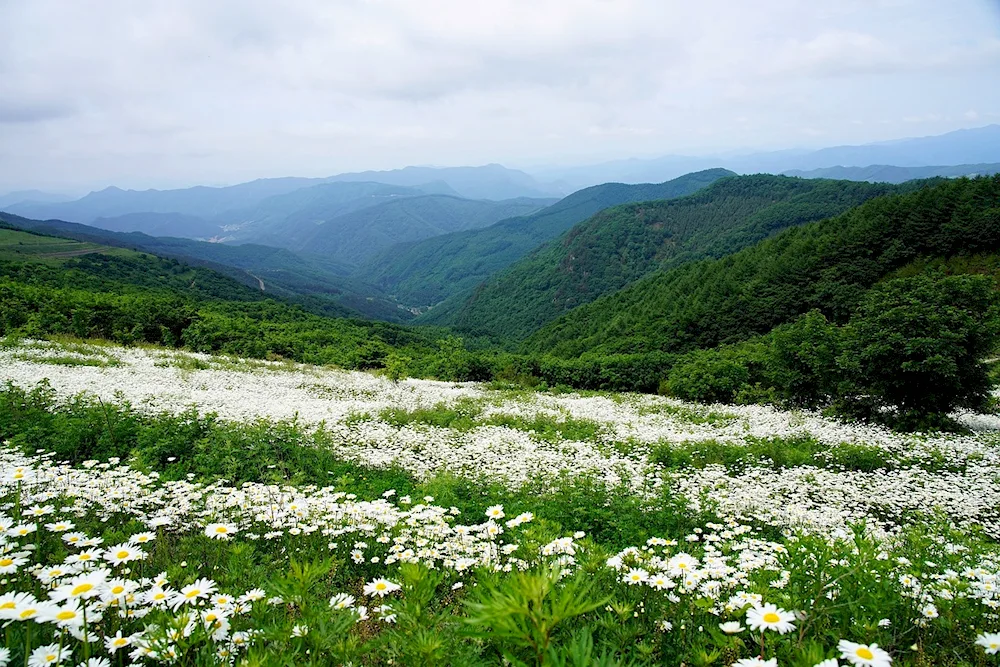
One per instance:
(825,265)
(354,237)
(622,244)
(199,201)
(38,196)
(427,272)
(491,181)
(319,286)
(287,218)
(160,224)
(962,147)
(883,173)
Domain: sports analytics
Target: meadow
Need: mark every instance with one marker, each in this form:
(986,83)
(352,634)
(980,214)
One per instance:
(180,508)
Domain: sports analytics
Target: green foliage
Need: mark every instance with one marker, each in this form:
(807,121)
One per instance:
(520,613)
(622,244)
(916,345)
(826,266)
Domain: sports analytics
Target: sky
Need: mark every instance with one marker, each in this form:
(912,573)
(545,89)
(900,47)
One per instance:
(171,93)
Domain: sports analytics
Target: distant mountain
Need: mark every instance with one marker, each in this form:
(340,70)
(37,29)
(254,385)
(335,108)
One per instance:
(200,201)
(160,224)
(962,147)
(318,285)
(826,265)
(882,173)
(37,196)
(287,219)
(491,181)
(622,244)
(427,272)
(355,237)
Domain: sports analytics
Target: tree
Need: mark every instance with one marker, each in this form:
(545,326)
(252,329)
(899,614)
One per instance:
(914,348)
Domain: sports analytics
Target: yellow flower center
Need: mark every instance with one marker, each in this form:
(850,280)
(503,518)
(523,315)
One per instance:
(864,653)
(682,566)
(222,530)
(380,586)
(66,615)
(192,594)
(7,605)
(118,590)
(159,596)
(81,589)
(50,657)
(5,562)
(121,554)
(28,613)
(120,641)
(771,617)
(84,556)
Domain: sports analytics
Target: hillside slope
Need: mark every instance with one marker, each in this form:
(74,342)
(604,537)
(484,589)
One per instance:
(622,244)
(319,286)
(884,173)
(354,237)
(827,265)
(427,272)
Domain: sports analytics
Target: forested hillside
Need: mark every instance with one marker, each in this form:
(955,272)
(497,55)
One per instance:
(622,244)
(428,272)
(826,266)
(320,286)
(52,286)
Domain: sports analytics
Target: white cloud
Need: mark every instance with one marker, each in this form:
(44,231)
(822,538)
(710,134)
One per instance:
(168,92)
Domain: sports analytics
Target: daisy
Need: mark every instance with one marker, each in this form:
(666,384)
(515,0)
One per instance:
(756,662)
(9,565)
(380,587)
(731,627)
(191,593)
(832,662)
(123,553)
(495,512)
(50,654)
(866,655)
(142,538)
(636,576)
(990,641)
(220,531)
(117,641)
(83,586)
(770,617)
(342,601)
(59,526)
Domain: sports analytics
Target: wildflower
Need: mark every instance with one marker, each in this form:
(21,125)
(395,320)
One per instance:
(342,601)
(4,656)
(68,616)
(123,553)
(495,512)
(832,662)
(142,538)
(731,627)
(770,617)
(84,587)
(50,654)
(380,587)
(191,593)
(636,576)
(866,655)
(756,662)
(9,565)
(117,641)
(59,526)
(300,630)
(990,641)
(220,531)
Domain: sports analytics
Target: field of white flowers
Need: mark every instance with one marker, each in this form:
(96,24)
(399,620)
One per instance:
(796,539)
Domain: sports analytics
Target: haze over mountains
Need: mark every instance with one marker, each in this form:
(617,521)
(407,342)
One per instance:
(478,248)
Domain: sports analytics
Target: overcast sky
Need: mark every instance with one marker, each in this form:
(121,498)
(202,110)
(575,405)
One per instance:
(166,93)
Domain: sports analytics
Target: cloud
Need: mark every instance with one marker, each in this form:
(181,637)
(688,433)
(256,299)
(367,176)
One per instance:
(170,92)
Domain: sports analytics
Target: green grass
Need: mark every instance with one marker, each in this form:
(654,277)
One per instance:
(24,246)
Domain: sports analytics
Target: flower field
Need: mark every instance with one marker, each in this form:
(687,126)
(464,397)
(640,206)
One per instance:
(162,507)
